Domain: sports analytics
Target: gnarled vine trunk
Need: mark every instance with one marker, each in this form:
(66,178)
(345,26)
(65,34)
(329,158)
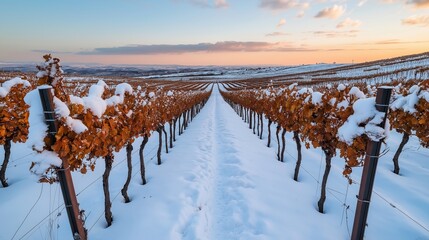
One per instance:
(107,204)
(171,133)
(259,123)
(174,129)
(395,159)
(142,167)
(328,158)
(130,170)
(298,149)
(6,147)
(269,132)
(180,128)
(278,141)
(250,119)
(166,139)
(183,121)
(282,157)
(159,130)
(262,126)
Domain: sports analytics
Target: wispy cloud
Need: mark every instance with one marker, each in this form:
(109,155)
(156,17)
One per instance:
(388,1)
(331,12)
(278,4)
(335,34)
(419,3)
(221,4)
(276,34)
(210,4)
(227,46)
(362,2)
(389,42)
(397,41)
(302,6)
(50,51)
(417,20)
(281,22)
(348,22)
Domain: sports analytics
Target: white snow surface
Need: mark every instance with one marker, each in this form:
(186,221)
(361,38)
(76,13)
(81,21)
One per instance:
(38,128)
(221,182)
(37,133)
(7,85)
(43,161)
(341,87)
(316,98)
(123,88)
(94,100)
(364,111)
(76,100)
(408,103)
(120,91)
(62,110)
(357,92)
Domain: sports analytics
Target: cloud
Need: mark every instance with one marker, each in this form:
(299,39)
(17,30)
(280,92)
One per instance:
(200,3)
(282,22)
(388,1)
(348,22)
(50,51)
(276,34)
(335,34)
(419,3)
(362,2)
(278,4)
(304,5)
(207,4)
(221,4)
(417,20)
(389,42)
(333,12)
(226,46)
(397,41)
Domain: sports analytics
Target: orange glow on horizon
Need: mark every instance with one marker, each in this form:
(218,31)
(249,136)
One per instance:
(248,58)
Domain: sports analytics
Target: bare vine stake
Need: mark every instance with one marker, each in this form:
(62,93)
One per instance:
(64,175)
(369,169)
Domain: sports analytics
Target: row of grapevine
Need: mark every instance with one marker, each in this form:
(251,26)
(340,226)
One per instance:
(374,72)
(13,118)
(341,118)
(93,122)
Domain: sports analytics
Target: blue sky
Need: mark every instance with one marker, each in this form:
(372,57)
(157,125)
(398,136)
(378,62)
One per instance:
(205,32)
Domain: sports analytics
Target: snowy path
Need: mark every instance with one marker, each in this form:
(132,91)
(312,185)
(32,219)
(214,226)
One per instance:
(227,212)
(220,180)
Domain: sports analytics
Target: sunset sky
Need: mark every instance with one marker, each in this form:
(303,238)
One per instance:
(212,32)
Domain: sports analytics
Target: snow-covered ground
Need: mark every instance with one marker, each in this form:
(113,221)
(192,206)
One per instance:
(221,182)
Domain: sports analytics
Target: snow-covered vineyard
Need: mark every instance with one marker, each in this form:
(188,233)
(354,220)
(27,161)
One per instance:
(277,156)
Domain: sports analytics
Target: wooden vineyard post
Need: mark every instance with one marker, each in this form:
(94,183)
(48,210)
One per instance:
(369,169)
(64,174)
